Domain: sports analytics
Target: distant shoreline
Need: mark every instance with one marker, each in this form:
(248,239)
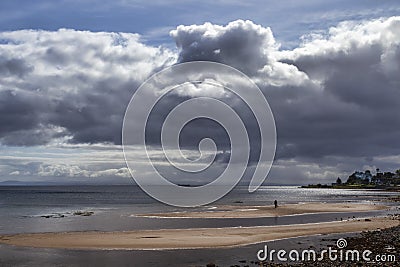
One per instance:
(366,187)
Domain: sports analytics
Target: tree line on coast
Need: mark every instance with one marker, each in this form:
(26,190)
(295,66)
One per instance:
(364,179)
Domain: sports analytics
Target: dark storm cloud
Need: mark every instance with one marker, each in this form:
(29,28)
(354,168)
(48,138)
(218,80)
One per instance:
(23,118)
(94,116)
(241,44)
(355,111)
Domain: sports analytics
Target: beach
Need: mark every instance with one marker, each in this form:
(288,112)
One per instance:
(191,238)
(229,211)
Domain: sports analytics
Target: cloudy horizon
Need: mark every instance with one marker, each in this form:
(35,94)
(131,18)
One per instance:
(333,88)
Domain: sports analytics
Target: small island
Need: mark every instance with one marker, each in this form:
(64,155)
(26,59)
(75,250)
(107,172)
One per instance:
(365,180)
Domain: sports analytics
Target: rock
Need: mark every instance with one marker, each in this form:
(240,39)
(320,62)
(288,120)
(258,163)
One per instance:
(53,215)
(83,213)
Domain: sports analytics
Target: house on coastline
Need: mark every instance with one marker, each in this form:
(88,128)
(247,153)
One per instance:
(380,178)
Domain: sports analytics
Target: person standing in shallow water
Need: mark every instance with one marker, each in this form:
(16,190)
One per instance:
(276,203)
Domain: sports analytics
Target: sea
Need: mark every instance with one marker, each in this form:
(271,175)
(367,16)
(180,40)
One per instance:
(33,209)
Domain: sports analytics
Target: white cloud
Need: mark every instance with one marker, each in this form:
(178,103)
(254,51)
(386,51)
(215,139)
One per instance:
(349,37)
(65,170)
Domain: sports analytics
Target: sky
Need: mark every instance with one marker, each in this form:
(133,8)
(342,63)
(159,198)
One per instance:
(329,70)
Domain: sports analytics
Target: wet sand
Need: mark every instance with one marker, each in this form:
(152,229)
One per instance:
(190,238)
(268,211)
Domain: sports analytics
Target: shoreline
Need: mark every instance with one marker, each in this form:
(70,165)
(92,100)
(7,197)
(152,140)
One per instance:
(232,212)
(194,238)
(352,187)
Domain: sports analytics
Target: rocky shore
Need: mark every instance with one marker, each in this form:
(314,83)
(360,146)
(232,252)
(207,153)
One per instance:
(57,215)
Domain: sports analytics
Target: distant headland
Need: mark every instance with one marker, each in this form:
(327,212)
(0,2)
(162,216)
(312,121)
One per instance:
(365,180)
